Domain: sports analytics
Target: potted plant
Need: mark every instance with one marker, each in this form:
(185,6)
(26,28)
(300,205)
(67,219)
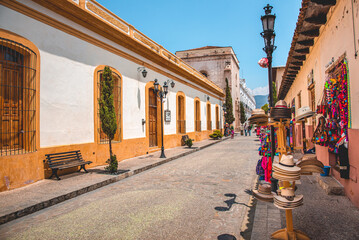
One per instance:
(216,134)
(189,142)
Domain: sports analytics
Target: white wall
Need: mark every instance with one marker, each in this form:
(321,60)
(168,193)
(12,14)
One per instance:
(67,84)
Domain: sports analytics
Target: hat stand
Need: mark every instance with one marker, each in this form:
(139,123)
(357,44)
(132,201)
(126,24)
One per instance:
(288,233)
(281,136)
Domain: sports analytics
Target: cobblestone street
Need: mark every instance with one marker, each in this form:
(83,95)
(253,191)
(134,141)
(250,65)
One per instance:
(199,196)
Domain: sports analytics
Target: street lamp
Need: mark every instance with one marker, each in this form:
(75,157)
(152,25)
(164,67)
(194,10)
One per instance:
(269,36)
(161,94)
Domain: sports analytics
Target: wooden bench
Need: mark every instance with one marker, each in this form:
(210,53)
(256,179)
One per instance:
(184,139)
(59,161)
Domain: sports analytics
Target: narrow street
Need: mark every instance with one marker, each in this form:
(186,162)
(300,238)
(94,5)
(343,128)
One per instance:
(199,196)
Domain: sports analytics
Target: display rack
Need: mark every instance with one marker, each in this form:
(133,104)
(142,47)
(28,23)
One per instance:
(288,233)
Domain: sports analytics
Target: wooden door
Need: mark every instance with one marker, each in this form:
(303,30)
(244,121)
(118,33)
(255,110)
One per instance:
(11,106)
(152,125)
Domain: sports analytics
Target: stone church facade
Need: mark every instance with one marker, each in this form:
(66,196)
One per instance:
(217,64)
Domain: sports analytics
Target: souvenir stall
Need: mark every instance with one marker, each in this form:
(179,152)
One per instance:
(334,120)
(301,118)
(287,171)
(264,164)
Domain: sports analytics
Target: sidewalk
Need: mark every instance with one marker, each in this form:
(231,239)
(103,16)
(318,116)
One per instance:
(322,217)
(45,193)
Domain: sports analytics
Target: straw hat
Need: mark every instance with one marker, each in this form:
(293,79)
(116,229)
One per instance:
(288,193)
(284,177)
(310,163)
(280,111)
(309,156)
(283,203)
(311,168)
(304,112)
(263,193)
(286,164)
(258,113)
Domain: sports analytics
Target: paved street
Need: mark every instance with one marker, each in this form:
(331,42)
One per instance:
(199,196)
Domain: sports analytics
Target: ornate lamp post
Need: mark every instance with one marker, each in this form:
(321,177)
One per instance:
(161,94)
(268,35)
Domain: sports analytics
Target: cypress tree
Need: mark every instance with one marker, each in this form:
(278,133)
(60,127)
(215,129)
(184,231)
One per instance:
(108,113)
(243,114)
(229,105)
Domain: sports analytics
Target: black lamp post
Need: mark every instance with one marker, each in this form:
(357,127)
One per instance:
(161,94)
(268,35)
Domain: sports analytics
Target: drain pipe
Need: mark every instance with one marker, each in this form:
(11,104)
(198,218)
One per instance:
(355,44)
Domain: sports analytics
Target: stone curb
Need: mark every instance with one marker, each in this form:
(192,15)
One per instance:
(48,203)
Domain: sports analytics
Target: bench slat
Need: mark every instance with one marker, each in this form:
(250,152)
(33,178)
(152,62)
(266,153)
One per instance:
(54,154)
(72,165)
(65,162)
(63,156)
(64,159)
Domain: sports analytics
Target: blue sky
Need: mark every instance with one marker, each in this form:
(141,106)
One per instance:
(185,24)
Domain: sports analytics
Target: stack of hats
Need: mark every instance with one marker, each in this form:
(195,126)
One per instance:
(286,170)
(263,193)
(280,111)
(304,112)
(287,199)
(309,164)
(258,117)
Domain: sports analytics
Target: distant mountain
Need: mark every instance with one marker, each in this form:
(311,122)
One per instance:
(261,100)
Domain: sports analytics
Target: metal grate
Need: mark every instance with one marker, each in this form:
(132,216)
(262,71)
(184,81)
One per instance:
(102,137)
(17,98)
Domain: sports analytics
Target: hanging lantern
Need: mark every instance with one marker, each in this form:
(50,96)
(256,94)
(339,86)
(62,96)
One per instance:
(263,62)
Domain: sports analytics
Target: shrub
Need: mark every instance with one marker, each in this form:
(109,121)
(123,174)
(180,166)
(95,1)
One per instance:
(189,142)
(112,164)
(216,134)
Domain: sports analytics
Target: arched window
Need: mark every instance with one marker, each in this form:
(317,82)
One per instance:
(117,98)
(181,113)
(209,120)
(217,117)
(197,114)
(18,81)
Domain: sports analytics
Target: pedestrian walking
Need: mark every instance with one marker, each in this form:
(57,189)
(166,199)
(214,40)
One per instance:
(249,129)
(232,132)
(245,129)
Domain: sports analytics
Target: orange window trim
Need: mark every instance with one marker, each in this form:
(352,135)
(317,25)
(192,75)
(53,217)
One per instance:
(97,72)
(19,39)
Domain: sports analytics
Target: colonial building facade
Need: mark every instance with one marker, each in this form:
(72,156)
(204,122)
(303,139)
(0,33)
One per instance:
(247,98)
(52,55)
(219,64)
(321,72)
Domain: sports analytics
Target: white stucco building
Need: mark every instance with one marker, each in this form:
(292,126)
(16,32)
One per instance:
(247,98)
(54,53)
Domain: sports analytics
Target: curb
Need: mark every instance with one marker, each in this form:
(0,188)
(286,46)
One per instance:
(51,202)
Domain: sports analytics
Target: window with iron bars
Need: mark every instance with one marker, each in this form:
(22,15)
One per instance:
(102,137)
(17,98)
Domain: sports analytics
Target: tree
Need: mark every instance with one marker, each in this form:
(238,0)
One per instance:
(275,98)
(265,108)
(243,114)
(108,114)
(229,105)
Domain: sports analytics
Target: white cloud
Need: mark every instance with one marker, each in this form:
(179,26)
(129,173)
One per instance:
(261,91)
